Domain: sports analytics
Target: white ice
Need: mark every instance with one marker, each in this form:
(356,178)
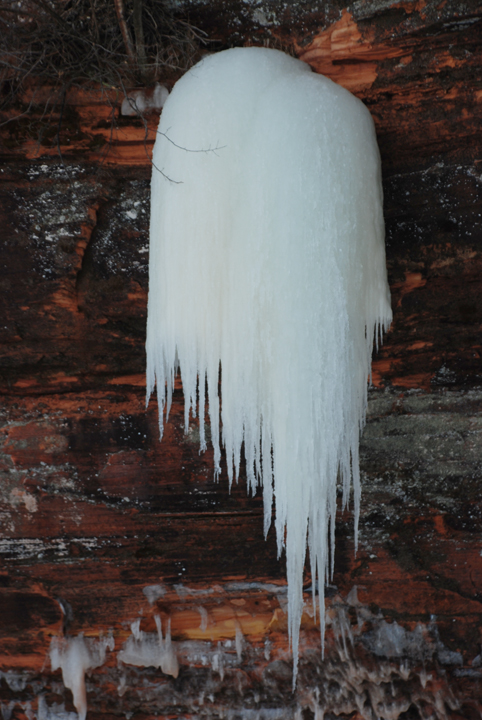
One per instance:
(75,656)
(150,649)
(138,102)
(267,261)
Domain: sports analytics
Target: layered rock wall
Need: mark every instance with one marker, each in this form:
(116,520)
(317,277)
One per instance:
(103,526)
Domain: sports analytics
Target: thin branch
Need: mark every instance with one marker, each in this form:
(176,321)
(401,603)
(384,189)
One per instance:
(208,150)
(119,8)
(139,36)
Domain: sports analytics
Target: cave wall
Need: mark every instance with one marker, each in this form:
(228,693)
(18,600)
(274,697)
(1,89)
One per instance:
(102,525)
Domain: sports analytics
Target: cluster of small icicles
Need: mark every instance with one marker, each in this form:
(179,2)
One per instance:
(386,680)
(376,669)
(76,656)
(267,260)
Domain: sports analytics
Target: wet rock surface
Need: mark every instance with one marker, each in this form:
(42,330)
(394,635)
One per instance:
(102,525)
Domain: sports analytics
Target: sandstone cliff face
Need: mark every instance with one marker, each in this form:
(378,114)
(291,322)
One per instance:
(102,525)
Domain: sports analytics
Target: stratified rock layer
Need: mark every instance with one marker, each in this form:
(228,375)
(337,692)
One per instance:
(102,525)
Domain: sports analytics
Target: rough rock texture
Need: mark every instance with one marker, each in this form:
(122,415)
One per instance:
(103,525)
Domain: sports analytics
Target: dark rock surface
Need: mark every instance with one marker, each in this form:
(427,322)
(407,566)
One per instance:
(102,525)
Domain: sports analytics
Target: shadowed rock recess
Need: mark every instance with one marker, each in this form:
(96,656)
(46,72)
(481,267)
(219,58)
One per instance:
(134,585)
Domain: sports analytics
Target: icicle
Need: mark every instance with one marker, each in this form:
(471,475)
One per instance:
(76,656)
(150,649)
(267,258)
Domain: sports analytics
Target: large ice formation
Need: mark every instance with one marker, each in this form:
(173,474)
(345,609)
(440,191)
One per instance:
(267,260)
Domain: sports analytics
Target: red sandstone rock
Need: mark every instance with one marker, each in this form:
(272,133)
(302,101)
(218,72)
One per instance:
(94,509)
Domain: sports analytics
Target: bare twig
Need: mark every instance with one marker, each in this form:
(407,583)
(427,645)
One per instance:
(202,150)
(126,36)
(139,36)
